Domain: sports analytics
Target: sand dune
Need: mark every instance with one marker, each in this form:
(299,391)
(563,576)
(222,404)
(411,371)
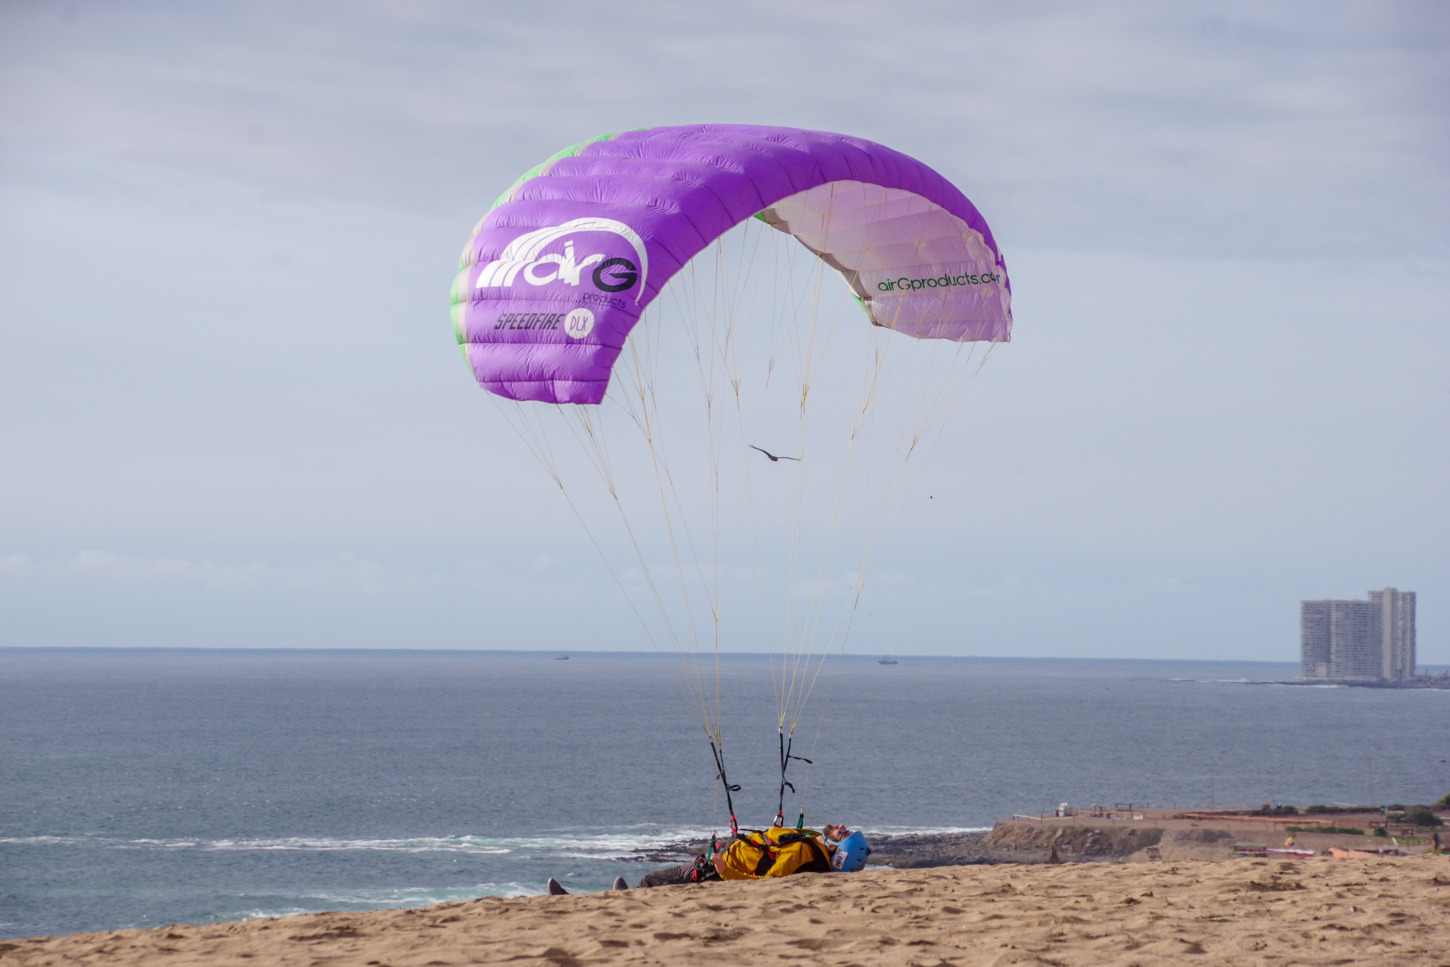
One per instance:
(1247,911)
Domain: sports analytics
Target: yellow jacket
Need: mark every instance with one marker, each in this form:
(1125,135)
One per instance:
(777,851)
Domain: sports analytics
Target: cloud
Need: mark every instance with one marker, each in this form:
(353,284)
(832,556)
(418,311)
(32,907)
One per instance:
(666,575)
(15,564)
(341,571)
(128,568)
(1136,125)
(896,579)
(335,571)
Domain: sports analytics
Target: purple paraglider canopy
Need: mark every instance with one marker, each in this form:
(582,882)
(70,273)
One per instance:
(560,270)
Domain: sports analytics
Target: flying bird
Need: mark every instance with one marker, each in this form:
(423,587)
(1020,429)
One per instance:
(773,457)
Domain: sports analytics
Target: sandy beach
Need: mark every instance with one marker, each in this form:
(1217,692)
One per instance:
(1383,911)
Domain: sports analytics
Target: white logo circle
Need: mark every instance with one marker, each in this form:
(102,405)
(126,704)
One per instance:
(578,323)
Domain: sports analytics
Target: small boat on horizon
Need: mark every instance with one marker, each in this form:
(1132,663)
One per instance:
(887,660)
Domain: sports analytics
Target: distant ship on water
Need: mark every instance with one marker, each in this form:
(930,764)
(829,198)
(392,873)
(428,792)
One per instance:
(886,660)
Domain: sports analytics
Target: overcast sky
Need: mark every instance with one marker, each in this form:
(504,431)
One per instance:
(232,412)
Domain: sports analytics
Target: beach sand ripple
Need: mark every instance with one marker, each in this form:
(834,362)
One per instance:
(1248,911)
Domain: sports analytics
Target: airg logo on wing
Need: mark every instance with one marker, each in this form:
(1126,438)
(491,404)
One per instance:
(526,254)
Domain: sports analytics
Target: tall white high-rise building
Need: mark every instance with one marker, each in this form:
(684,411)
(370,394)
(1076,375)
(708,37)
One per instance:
(1396,632)
(1371,640)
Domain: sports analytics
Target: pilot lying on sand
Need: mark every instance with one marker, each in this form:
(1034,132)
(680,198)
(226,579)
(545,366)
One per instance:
(777,851)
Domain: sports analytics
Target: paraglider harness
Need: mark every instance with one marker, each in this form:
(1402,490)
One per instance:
(767,851)
(704,870)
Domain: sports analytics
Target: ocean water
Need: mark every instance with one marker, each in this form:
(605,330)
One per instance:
(148,787)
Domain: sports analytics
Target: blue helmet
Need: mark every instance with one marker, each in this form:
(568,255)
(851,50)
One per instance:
(851,854)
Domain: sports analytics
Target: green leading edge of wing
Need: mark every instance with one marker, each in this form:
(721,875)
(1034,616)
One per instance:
(542,168)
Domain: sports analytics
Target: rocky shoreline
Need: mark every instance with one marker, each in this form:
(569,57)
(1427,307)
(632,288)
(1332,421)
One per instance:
(1131,836)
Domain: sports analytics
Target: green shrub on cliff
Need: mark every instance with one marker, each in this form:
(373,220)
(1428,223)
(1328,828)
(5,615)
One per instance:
(1422,816)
